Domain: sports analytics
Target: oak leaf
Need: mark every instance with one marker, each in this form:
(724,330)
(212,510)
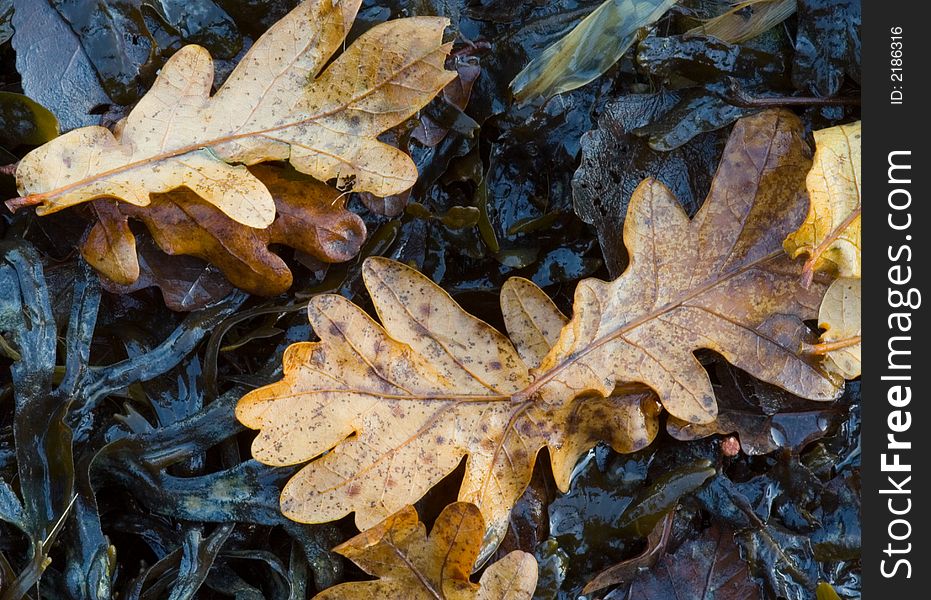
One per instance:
(279,103)
(412,566)
(840,318)
(720,282)
(311,217)
(709,567)
(389,410)
(830,235)
(384,411)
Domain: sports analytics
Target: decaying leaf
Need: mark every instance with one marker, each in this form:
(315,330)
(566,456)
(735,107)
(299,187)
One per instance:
(746,19)
(628,569)
(589,50)
(412,566)
(709,568)
(311,217)
(840,319)
(830,235)
(278,104)
(186,283)
(384,412)
(764,417)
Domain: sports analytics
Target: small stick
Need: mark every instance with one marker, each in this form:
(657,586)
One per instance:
(738,97)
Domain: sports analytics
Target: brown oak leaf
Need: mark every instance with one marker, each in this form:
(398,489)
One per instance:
(311,217)
(412,566)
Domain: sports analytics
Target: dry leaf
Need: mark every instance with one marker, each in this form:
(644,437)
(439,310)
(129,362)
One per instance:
(401,405)
(384,412)
(311,217)
(830,235)
(719,282)
(276,105)
(412,566)
(840,319)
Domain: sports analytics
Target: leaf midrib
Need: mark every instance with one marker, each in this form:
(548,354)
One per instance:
(528,392)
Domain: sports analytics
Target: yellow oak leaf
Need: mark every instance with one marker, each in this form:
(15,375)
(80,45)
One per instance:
(389,410)
(830,235)
(840,318)
(384,411)
(279,103)
(412,566)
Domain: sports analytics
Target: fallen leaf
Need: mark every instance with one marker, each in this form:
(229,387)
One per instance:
(384,412)
(428,387)
(25,121)
(827,45)
(615,161)
(117,42)
(589,50)
(824,591)
(311,217)
(186,283)
(278,104)
(765,417)
(412,566)
(55,70)
(746,20)
(840,318)
(709,568)
(628,569)
(830,235)
(719,282)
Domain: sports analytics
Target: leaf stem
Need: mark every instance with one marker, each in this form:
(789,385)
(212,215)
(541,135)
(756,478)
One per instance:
(808,269)
(826,347)
(15,204)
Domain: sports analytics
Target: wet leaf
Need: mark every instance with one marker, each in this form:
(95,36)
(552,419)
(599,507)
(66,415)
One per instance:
(701,284)
(589,50)
(55,68)
(429,386)
(25,121)
(655,501)
(630,568)
(830,235)
(198,557)
(827,45)
(840,318)
(115,40)
(709,567)
(6,20)
(196,22)
(764,417)
(179,135)
(461,388)
(311,217)
(186,283)
(824,591)
(746,20)
(409,564)
(614,162)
